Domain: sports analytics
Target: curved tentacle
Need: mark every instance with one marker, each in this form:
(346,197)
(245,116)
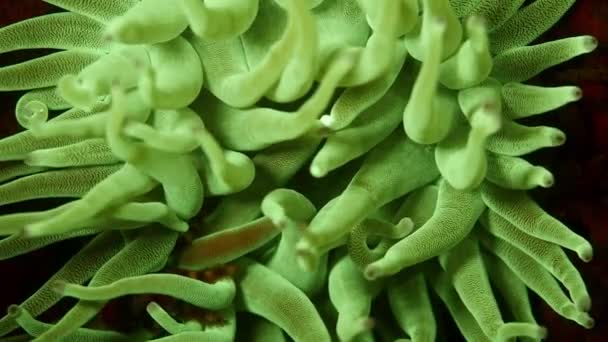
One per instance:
(375,59)
(536,277)
(44,71)
(77,31)
(472,63)
(436,14)
(550,255)
(77,270)
(210,296)
(366,131)
(267,294)
(148,22)
(292,211)
(380,180)
(50,97)
(147,252)
(17,146)
(36,328)
(253,129)
(175,75)
(184,193)
(352,297)
(274,167)
(356,100)
(522,100)
(57,183)
(522,63)
(299,73)
(357,244)
(428,117)
(227,245)
(119,187)
(516,140)
(464,267)
(229,76)
(12,170)
(168,323)
(454,217)
(527,24)
(219,20)
(101,11)
(520,210)
(410,303)
(85,153)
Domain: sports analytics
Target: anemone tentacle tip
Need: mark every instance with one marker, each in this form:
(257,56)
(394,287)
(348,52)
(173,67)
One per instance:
(14,310)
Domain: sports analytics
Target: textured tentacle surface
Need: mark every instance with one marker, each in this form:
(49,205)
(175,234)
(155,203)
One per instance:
(306,170)
(41,33)
(100,11)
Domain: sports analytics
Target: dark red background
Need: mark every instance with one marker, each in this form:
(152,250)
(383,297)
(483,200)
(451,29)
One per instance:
(579,198)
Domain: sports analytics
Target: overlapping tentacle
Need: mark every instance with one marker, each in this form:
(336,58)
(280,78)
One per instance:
(277,108)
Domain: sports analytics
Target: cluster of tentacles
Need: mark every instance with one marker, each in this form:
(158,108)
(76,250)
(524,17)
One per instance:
(359,152)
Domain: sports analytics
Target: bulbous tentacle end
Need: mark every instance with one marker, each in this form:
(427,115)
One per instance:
(34,116)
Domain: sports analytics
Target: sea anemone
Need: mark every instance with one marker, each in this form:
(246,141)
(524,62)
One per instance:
(284,167)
